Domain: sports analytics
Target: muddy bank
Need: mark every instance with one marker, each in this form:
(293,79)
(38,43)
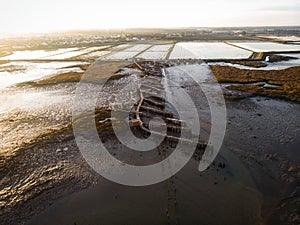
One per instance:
(38,156)
(186,198)
(266,140)
(281,83)
(254,180)
(39,173)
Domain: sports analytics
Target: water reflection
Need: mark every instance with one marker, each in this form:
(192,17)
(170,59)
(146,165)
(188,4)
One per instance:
(16,72)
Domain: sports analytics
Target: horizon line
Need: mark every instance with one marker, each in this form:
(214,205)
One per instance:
(144,28)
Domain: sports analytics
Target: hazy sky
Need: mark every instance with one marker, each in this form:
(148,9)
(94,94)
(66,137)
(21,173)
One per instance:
(50,15)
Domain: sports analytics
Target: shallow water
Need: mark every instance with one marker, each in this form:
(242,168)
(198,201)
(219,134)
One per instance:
(138,48)
(27,71)
(95,55)
(159,48)
(75,53)
(152,55)
(122,55)
(198,50)
(37,54)
(283,38)
(64,53)
(267,46)
(270,66)
(155,52)
(208,50)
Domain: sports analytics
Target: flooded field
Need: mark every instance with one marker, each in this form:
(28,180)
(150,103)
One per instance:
(207,50)
(27,55)
(138,48)
(122,55)
(152,51)
(73,54)
(155,52)
(128,52)
(152,55)
(194,50)
(283,38)
(159,48)
(267,46)
(94,55)
(65,53)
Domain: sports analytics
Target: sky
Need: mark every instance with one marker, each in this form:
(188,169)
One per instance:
(19,16)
